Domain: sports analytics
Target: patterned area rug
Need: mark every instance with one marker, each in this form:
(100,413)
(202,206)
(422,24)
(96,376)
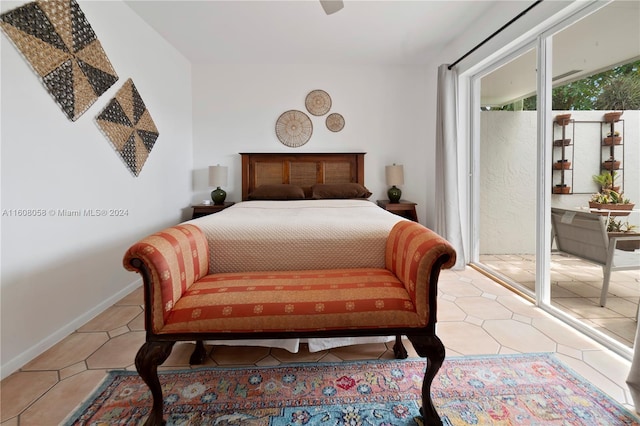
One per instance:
(533,389)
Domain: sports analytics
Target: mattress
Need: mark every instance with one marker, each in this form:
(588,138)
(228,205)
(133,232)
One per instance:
(294,235)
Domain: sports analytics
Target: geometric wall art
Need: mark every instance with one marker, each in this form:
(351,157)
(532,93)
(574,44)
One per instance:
(128,125)
(58,42)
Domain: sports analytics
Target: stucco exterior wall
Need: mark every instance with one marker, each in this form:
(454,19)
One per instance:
(508,178)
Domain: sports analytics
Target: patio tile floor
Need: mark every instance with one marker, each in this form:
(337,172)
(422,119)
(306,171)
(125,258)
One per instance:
(575,289)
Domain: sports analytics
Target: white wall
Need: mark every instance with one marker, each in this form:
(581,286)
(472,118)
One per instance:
(385,110)
(508,173)
(58,272)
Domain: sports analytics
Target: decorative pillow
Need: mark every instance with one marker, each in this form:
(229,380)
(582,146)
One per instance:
(339,190)
(283,191)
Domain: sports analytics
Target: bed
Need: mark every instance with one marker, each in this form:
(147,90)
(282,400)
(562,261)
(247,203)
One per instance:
(314,232)
(309,257)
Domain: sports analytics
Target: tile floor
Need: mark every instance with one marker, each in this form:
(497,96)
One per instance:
(575,289)
(476,316)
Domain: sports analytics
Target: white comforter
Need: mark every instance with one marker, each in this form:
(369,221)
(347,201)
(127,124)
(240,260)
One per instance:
(301,234)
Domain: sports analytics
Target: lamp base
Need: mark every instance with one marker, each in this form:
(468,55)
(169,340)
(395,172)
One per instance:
(218,196)
(394,194)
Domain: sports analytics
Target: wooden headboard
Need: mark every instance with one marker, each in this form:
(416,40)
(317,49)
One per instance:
(301,169)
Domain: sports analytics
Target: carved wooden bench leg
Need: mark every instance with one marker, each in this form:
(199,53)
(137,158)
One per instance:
(432,348)
(149,356)
(199,354)
(399,351)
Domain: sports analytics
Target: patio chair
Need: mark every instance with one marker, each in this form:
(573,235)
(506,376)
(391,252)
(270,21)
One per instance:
(584,235)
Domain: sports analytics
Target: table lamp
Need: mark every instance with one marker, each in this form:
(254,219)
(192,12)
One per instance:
(218,178)
(394,176)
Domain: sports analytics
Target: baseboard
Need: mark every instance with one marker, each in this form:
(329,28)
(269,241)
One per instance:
(16,363)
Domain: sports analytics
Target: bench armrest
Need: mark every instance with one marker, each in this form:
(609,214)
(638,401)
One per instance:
(416,254)
(169,262)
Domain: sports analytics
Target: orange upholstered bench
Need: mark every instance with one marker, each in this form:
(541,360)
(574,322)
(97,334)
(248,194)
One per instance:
(183,302)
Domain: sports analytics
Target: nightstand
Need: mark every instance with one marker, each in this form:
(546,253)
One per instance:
(402,208)
(200,210)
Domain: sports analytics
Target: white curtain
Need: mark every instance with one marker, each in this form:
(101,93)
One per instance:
(448,217)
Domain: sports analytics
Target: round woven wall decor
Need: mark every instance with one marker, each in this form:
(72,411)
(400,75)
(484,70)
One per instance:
(335,122)
(318,102)
(294,128)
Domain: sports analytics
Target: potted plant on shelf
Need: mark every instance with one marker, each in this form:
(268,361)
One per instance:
(613,138)
(562,164)
(563,119)
(613,203)
(606,180)
(611,164)
(612,117)
(562,189)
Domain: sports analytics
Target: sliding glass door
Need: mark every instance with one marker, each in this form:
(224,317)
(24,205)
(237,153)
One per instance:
(538,140)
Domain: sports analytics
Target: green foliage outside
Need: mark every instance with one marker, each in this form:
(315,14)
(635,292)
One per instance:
(614,89)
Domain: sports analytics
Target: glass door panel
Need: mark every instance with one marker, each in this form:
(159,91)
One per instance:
(507,184)
(594,72)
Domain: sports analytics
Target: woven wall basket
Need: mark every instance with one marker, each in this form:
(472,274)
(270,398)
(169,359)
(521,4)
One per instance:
(57,41)
(335,122)
(294,128)
(318,102)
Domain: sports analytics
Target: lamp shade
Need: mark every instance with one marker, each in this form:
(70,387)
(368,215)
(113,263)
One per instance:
(394,175)
(218,176)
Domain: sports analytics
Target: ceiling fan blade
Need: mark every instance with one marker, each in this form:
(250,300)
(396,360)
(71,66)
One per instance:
(331,6)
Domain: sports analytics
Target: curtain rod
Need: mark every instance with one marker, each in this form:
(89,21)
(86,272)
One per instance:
(495,33)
